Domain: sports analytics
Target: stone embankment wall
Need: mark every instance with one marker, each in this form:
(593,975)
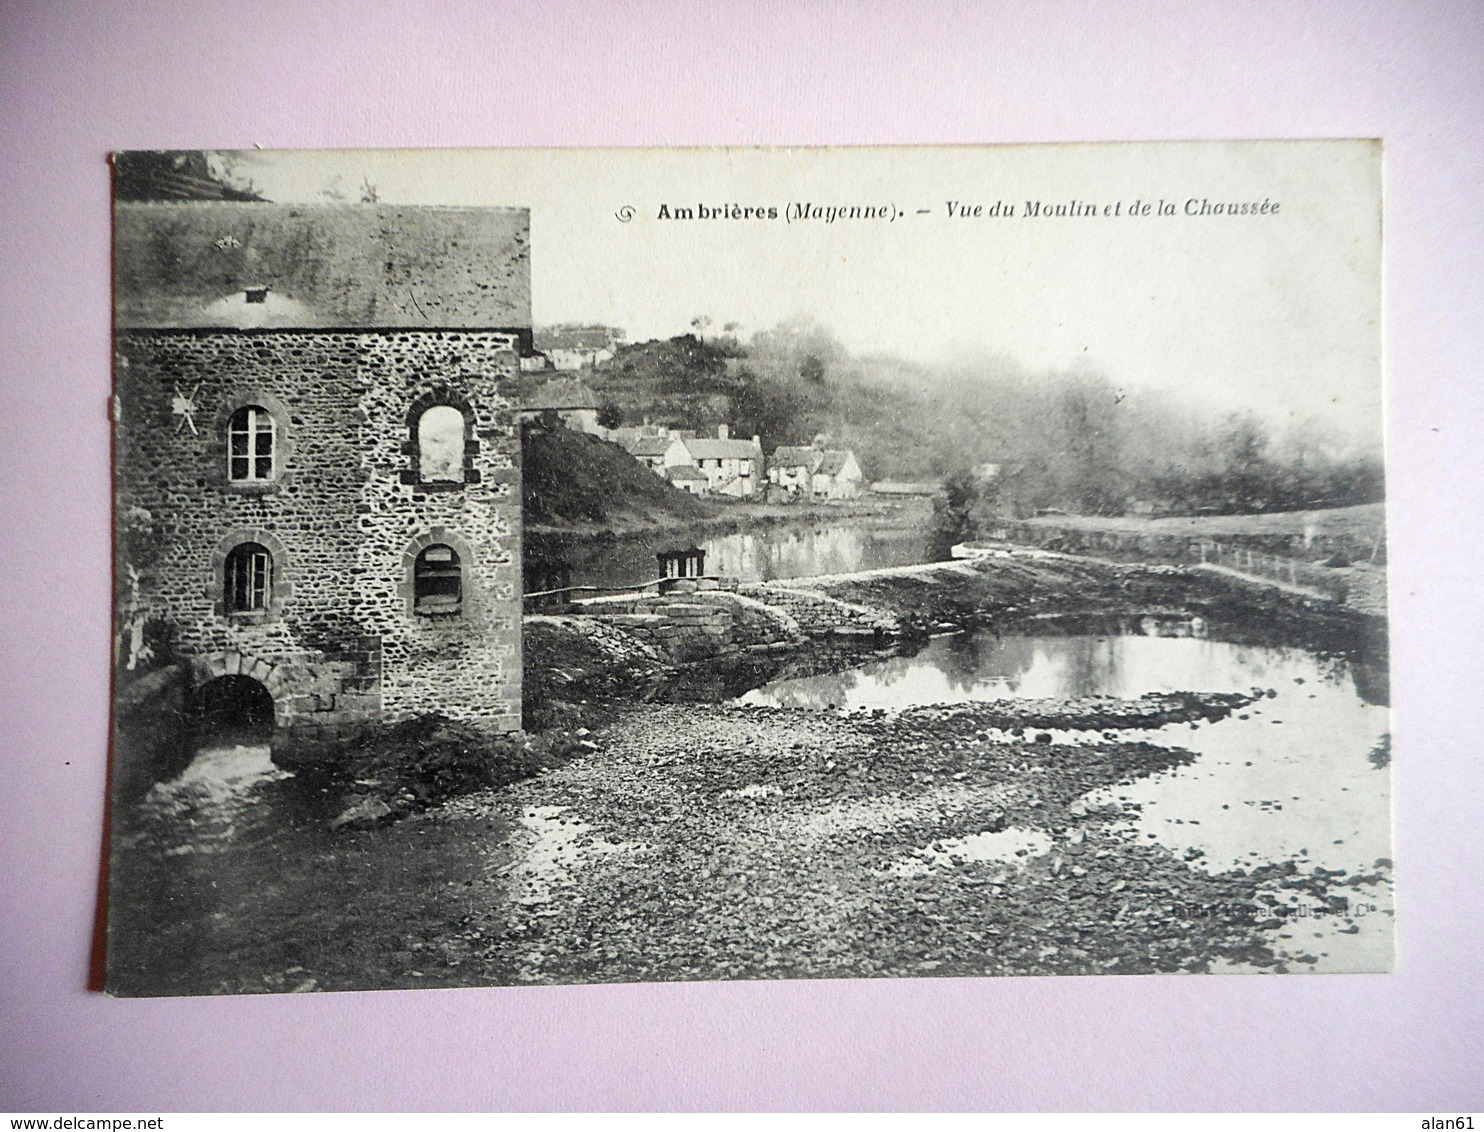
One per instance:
(1192,547)
(703,619)
(1296,565)
(820,615)
(691,623)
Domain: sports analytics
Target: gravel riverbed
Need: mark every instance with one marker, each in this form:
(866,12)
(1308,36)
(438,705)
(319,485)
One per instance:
(717,841)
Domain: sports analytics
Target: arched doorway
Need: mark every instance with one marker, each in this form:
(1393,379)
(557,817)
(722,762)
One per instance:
(231,710)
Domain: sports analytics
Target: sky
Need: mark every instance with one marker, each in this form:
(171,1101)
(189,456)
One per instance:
(1276,311)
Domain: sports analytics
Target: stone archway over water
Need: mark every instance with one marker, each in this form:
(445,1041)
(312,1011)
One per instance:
(235,709)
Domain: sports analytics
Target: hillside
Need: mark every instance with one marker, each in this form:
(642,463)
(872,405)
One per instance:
(682,382)
(690,383)
(574,478)
(792,386)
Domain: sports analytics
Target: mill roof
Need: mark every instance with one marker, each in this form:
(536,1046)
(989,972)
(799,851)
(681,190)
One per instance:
(242,265)
(677,472)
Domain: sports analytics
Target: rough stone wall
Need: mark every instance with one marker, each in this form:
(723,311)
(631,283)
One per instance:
(466,667)
(696,624)
(682,632)
(818,614)
(339,644)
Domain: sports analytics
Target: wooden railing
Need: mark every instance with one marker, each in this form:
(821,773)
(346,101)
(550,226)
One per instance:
(1272,567)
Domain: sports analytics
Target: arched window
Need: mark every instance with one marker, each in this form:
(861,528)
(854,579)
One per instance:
(437,582)
(248,583)
(251,445)
(440,445)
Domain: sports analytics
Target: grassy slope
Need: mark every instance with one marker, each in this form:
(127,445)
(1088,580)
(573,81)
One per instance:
(574,478)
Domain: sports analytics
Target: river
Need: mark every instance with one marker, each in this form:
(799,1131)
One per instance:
(1301,776)
(761,554)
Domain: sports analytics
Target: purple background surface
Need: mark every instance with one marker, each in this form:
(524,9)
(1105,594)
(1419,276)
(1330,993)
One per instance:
(79,80)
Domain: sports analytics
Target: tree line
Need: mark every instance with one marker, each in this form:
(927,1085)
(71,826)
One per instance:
(1073,440)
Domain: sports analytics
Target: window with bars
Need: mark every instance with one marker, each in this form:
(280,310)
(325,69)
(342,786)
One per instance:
(248,585)
(251,440)
(437,582)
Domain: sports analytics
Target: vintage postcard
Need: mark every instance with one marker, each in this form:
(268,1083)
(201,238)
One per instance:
(568,566)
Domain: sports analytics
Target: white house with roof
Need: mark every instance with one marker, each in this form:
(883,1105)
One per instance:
(687,477)
(838,475)
(573,347)
(659,453)
(732,467)
(570,399)
(816,471)
(792,468)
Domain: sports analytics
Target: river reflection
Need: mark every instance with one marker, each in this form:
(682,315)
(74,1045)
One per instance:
(761,555)
(990,666)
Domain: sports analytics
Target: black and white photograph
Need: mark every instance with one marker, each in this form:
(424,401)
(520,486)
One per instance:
(565,566)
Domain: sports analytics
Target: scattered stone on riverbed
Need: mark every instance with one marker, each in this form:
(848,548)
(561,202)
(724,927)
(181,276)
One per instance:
(804,844)
(1098,713)
(712,840)
(362,813)
(408,766)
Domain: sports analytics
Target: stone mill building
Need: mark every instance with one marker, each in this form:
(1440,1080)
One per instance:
(317,458)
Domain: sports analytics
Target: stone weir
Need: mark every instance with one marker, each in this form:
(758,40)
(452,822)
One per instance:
(706,617)
(703,618)
(690,624)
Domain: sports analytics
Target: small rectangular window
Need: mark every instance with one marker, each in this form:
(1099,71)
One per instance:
(438,582)
(249,578)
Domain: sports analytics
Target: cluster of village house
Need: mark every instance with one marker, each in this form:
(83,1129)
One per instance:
(707,465)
